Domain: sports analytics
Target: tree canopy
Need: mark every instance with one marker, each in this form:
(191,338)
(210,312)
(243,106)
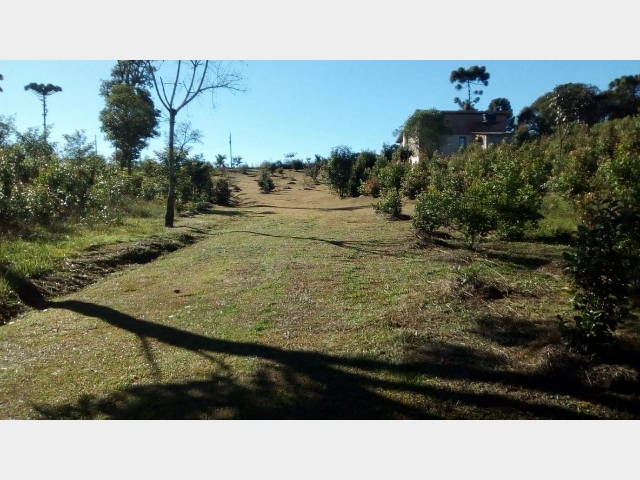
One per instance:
(465,78)
(129,118)
(42,91)
(502,105)
(623,97)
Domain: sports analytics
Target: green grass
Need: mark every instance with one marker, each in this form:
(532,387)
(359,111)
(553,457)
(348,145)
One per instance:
(298,304)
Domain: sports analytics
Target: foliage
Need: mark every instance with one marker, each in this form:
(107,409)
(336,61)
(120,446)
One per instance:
(288,160)
(390,204)
(7,130)
(602,161)
(313,169)
(129,118)
(623,97)
(416,180)
(297,164)
(572,102)
(221,192)
(566,104)
(236,161)
(431,212)
(479,191)
(503,105)
(58,191)
(604,264)
(360,171)
(195,182)
(264,179)
(370,187)
(337,169)
(474,75)
(428,128)
(220,160)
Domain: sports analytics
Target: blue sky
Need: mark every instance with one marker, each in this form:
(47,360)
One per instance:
(306,107)
(315,78)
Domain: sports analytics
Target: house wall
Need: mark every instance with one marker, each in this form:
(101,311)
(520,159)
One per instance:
(487,139)
(412,143)
(464,127)
(454,142)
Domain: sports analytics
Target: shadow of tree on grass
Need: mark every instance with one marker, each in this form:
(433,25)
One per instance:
(311,385)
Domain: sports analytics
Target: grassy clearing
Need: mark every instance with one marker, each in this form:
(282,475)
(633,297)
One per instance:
(297,304)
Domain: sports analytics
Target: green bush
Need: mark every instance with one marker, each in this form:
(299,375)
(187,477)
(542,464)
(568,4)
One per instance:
(416,180)
(297,164)
(221,194)
(480,191)
(430,213)
(337,170)
(604,265)
(390,204)
(265,181)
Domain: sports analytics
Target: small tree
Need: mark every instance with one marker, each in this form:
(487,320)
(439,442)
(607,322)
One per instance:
(603,264)
(192,78)
(220,160)
(264,180)
(43,91)
(338,169)
(297,164)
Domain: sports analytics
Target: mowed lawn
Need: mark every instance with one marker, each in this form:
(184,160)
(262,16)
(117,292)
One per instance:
(300,305)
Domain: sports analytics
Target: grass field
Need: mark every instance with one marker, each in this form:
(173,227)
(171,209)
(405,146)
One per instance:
(300,305)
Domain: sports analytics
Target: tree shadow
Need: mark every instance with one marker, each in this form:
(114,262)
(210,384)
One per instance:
(317,209)
(312,385)
(509,331)
(361,246)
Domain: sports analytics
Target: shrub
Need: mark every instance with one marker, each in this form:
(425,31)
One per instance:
(370,187)
(430,213)
(390,204)
(221,193)
(479,191)
(297,165)
(265,181)
(604,265)
(416,180)
(337,169)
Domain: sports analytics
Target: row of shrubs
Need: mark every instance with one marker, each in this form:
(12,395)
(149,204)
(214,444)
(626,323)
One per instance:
(500,190)
(44,188)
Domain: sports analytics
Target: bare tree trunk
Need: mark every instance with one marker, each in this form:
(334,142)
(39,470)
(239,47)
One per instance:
(171,197)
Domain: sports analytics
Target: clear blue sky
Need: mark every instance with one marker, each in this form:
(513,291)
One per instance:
(306,107)
(316,78)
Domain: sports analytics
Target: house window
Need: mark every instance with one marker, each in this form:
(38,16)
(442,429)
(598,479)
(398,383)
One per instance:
(462,142)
